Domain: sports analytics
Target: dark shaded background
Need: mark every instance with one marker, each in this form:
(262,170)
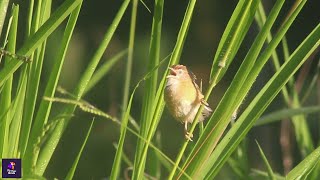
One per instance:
(208,23)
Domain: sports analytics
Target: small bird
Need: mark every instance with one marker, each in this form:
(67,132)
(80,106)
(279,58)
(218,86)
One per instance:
(183,97)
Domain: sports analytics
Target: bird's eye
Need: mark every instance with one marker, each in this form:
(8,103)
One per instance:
(179,71)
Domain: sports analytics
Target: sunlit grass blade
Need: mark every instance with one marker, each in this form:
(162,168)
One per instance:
(285,113)
(39,37)
(151,83)
(47,151)
(306,166)
(260,103)
(75,163)
(265,160)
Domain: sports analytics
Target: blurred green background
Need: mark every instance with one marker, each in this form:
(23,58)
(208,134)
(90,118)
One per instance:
(208,23)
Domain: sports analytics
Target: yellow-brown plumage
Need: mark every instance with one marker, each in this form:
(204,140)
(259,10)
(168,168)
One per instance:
(183,96)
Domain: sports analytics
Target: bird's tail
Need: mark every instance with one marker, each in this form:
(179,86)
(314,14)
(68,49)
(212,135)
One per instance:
(206,111)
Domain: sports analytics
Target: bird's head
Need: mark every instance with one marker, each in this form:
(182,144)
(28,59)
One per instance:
(178,72)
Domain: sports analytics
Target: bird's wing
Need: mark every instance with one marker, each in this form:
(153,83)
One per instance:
(193,79)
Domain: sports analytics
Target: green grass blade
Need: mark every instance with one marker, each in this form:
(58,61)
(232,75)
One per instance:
(231,100)
(306,166)
(130,56)
(232,38)
(34,74)
(117,160)
(104,69)
(260,103)
(300,125)
(315,172)
(16,115)
(265,160)
(124,157)
(29,19)
(3,12)
(39,37)
(261,19)
(45,106)
(159,103)
(86,107)
(151,83)
(153,163)
(6,96)
(286,113)
(47,151)
(251,6)
(75,163)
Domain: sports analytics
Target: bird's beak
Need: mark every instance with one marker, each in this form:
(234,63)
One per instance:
(172,71)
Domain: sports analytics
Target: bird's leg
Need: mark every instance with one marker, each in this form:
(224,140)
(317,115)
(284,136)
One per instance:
(187,134)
